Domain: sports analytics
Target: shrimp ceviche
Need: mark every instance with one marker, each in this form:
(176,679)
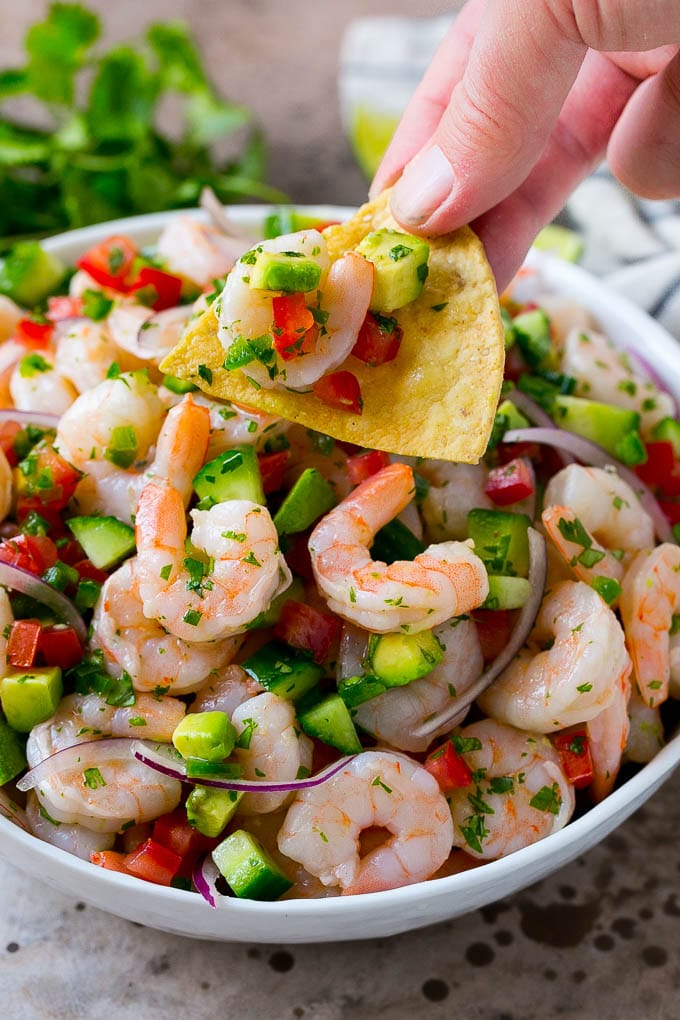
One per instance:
(242,658)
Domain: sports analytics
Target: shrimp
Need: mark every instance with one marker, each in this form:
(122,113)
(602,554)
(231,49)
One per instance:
(344,293)
(444,581)
(393,716)
(603,372)
(607,737)
(454,490)
(649,599)
(575,678)
(645,737)
(197,251)
(225,692)
(10,317)
(521,794)
(233,424)
(38,385)
(269,746)
(323,826)
(5,486)
(154,659)
(565,315)
(84,353)
(74,839)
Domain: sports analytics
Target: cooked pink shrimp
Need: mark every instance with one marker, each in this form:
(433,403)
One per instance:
(10,317)
(84,352)
(323,826)
(649,600)
(444,581)
(522,794)
(607,737)
(198,251)
(645,736)
(575,678)
(74,839)
(226,691)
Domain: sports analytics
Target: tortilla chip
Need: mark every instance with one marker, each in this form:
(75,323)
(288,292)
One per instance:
(437,398)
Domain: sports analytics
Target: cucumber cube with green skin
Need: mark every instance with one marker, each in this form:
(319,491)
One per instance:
(355,690)
(501,541)
(287,271)
(286,220)
(668,431)
(329,721)
(12,754)
(29,274)
(234,474)
(507,593)
(398,659)
(283,671)
(250,872)
(310,498)
(401,268)
(30,697)
(613,428)
(515,418)
(209,736)
(532,336)
(210,810)
(105,540)
(395,542)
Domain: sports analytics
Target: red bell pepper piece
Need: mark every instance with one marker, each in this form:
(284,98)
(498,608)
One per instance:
(64,307)
(174,832)
(671,509)
(305,627)
(510,483)
(110,263)
(272,469)
(164,289)
(9,430)
(153,862)
(112,860)
(575,757)
(34,333)
(340,390)
(379,339)
(60,646)
(364,465)
(23,643)
(662,468)
(295,331)
(493,630)
(448,767)
(34,553)
(297,555)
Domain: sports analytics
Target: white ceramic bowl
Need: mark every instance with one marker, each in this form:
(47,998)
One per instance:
(384,913)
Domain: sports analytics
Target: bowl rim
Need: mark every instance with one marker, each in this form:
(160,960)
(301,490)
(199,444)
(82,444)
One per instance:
(562,845)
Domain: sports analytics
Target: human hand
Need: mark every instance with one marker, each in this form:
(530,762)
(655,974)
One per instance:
(520,103)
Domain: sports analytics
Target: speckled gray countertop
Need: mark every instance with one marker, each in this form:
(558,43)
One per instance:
(598,938)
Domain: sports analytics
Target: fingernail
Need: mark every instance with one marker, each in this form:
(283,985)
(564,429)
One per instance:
(426,182)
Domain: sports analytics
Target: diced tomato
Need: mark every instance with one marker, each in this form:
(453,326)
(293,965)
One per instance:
(671,509)
(9,430)
(47,480)
(174,832)
(88,570)
(341,390)
(493,630)
(508,452)
(112,860)
(295,331)
(110,263)
(34,333)
(379,339)
(515,364)
(272,470)
(574,751)
(22,646)
(297,555)
(71,552)
(366,464)
(34,553)
(305,627)
(153,862)
(164,289)
(448,767)
(661,469)
(60,646)
(64,307)
(510,483)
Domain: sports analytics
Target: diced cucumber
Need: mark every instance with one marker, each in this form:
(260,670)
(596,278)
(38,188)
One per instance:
(396,542)
(507,593)
(613,428)
(329,721)
(397,659)
(501,541)
(532,335)
(401,268)
(234,474)
(354,690)
(105,540)
(283,671)
(209,810)
(28,274)
(287,271)
(286,220)
(310,498)
(508,328)
(206,735)
(12,754)
(251,872)
(668,431)
(516,419)
(30,697)
(561,241)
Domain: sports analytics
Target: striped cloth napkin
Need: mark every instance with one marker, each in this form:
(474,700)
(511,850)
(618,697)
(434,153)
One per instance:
(633,244)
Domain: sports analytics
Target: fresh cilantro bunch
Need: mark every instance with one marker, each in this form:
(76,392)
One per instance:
(103,154)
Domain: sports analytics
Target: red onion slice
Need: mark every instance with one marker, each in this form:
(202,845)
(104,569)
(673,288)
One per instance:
(85,755)
(17,579)
(41,418)
(163,758)
(538,570)
(591,453)
(204,877)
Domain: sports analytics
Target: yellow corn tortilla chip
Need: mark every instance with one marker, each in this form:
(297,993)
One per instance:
(437,398)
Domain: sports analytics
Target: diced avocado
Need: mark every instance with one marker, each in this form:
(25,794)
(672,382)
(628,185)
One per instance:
(175,385)
(209,810)
(28,274)
(310,498)
(532,335)
(613,428)
(354,690)
(12,755)
(288,271)
(401,269)
(507,593)
(105,540)
(668,431)
(329,721)
(206,735)
(251,872)
(561,241)
(397,659)
(283,671)
(286,220)
(394,542)
(234,474)
(543,386)
(515,418)
(501,541)
(31,697)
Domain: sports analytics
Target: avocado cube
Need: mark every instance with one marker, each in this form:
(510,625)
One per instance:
(507,593)
(209,736)
(12,755)
(250,871)
(401,268)
(287,271)
(397,659)
(209,810)
(310,498)
(31,697)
